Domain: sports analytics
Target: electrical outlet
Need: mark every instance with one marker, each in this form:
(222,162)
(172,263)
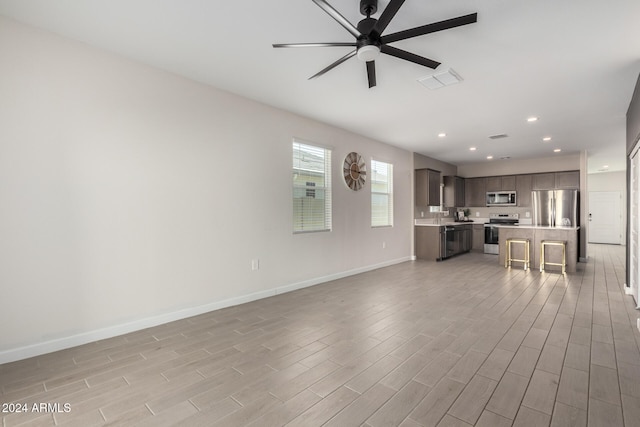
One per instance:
(528,214)
(255,264)
(384,245)
(422,214)
(477,214)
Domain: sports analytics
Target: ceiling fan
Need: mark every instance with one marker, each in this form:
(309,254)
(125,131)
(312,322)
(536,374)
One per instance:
(369,39)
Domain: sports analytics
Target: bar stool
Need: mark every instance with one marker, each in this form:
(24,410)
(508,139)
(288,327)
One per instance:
(562,243)
(508,259)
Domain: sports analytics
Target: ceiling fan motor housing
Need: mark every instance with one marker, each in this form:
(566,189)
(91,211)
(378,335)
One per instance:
(368,7)
(366,25)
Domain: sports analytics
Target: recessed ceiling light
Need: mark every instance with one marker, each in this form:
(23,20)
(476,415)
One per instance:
(489,157)
(532,119)
(472,148)
(557,150)
(442,134)
(546,139)
(605,166)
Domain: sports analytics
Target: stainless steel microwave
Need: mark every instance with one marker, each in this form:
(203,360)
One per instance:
(501,198)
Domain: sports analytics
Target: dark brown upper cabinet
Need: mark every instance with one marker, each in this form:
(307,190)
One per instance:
(427,187)
(454,192)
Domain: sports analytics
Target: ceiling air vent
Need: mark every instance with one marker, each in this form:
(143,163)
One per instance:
(436,81)
(499,136)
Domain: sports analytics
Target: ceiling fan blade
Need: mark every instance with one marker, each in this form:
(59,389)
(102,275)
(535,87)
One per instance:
(338,17)
(371,73)
(408,56)
(335,64)
(386,17)
(430,28)
(351,44)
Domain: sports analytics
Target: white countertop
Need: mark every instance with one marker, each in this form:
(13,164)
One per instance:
(430,222)
(538,227)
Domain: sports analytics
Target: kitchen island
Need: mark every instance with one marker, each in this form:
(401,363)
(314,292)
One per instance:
(536,234)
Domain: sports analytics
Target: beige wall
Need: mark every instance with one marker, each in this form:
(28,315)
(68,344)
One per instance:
(633,119)
(514,166)
(132,197)
(424,162)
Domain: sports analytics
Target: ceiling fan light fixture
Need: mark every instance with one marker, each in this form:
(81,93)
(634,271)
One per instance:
(368,53)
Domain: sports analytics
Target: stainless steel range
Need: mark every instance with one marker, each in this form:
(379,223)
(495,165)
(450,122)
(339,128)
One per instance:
(491,239)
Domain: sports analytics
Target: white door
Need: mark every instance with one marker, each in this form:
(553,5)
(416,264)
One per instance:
(605,219)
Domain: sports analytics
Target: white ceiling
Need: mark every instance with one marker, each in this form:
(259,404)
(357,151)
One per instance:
(572,63)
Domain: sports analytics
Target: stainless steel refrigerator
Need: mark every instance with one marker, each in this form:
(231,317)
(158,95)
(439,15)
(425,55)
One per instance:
(555,208)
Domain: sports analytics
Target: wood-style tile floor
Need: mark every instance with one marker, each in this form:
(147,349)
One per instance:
(456,343)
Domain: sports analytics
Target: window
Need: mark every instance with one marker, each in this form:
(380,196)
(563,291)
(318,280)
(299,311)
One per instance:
(381,194)
(311,188)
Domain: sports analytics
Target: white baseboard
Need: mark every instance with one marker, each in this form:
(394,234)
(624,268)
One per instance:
(37,349)
(323,279)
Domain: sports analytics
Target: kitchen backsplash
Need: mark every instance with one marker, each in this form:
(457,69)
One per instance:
(476,212)
(424,212)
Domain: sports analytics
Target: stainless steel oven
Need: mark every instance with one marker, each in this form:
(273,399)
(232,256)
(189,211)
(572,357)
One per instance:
(491,230)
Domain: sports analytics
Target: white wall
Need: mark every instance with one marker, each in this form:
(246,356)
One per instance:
(131,197)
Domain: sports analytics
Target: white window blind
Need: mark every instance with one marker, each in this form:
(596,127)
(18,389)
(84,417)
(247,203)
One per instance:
(381,194)
(311,188)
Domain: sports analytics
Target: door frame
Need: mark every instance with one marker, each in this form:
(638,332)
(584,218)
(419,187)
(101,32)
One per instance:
(633,223)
